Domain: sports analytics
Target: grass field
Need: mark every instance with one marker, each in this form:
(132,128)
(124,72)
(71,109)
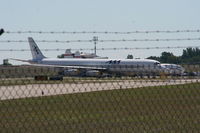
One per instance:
(150,109)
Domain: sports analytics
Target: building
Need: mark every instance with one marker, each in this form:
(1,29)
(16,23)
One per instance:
(78,54)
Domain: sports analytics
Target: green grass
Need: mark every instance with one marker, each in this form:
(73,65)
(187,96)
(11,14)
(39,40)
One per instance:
(149,109)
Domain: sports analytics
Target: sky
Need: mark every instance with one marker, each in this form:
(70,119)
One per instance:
(98,15)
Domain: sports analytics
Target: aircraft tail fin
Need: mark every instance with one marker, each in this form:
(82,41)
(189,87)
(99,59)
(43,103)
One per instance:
(36,53)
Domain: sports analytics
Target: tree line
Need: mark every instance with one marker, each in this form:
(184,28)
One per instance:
(189,56)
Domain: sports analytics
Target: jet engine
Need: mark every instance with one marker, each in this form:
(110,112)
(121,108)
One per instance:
(71,72)
(92,73)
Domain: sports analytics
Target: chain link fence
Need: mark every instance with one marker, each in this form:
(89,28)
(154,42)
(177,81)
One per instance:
(40,99)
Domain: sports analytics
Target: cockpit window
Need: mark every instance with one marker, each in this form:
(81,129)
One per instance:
(157,63)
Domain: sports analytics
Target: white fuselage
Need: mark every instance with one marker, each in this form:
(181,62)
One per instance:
(121,66)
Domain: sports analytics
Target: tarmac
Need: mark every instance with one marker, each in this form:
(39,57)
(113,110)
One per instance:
(37,90)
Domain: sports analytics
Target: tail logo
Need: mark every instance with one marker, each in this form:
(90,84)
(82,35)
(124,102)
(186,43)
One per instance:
(36,49)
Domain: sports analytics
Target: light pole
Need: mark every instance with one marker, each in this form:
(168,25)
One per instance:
(95,39)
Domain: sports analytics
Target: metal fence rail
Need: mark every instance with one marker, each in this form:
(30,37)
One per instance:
(38,99)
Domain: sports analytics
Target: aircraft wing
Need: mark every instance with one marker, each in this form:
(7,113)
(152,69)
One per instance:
(59,66)
(19,60)
(73,67)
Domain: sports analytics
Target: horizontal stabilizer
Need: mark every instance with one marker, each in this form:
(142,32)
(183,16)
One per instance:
(28,61)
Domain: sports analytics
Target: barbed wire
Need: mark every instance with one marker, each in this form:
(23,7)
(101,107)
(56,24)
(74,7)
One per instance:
(119,40)
(100,32)
(102,49)
(47,41)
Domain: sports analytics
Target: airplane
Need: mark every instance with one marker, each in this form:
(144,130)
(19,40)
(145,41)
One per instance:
(173,69)
(131,67)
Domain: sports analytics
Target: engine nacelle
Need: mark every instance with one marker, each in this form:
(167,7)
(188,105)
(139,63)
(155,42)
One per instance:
(71,72)
(92,73)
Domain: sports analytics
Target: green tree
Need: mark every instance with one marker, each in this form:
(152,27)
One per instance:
(60,56)
(130,56)
(1,31)
(154,58)
(167,57)
(189,56)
